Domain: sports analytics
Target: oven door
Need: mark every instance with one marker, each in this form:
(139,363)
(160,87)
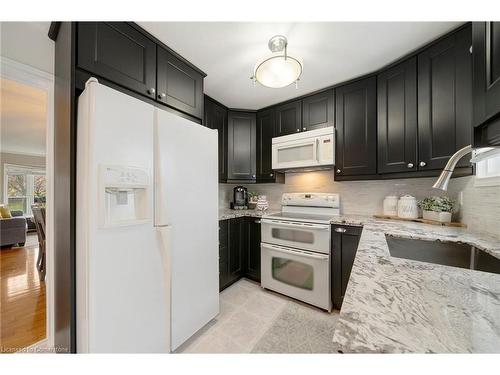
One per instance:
(305,236)
(296,273)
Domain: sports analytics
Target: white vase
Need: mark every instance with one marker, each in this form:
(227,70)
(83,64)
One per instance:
(442,217)
(262,203)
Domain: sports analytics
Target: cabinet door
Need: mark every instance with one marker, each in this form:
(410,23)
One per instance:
(356,122)
(486,83)
(289,118)
(317,111)
(253,249)
(119,53)
(179,85)
(397,118)
(345,240)
(444,100)
(237,232)
(241,146)
(216,118)
(265,133)
(223,254)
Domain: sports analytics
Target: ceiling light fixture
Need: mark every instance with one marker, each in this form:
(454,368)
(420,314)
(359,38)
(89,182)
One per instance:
(279,70)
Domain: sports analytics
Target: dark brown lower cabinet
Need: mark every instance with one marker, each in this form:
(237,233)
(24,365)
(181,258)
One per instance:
(239,250)
(345,240)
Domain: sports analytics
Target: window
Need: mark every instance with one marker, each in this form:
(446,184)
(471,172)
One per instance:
(24,186)
(487,168)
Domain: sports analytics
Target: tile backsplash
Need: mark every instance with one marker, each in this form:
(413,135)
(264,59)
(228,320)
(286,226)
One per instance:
(480,209)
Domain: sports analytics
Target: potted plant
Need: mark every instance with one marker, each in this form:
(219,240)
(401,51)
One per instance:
(252,200)
(437,208)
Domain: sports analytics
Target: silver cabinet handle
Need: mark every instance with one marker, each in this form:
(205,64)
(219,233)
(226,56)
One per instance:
(257,221)
(270,175)
(340,230)
(409,165)
(162,95)
(253,176)
(298,130)
(151,91)
(338,170)
(304,128)
(422,163)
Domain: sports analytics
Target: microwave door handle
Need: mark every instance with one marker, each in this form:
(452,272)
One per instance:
(298,253)
(317,150)
(296,225)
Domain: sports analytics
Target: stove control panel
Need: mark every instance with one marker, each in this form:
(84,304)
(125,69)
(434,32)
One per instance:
(331,200)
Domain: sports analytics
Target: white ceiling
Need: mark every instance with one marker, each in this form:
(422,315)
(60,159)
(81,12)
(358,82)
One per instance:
(332,52)
(23,118)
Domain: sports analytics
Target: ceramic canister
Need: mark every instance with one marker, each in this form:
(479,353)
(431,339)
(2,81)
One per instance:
(391,205)
(407,207)
(262,203)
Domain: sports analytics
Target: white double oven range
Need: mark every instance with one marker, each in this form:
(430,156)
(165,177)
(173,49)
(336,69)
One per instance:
(296,247)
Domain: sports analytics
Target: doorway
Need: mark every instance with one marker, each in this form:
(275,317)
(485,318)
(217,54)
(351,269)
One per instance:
(26,198)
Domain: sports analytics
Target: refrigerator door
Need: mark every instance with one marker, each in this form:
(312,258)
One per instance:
(122,271)
(186,198)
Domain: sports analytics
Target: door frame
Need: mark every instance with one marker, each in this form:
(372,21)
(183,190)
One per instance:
(30,76)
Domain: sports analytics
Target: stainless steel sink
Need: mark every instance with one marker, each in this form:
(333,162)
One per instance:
(444,253)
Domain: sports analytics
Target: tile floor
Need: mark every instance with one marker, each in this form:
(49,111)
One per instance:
(252,319)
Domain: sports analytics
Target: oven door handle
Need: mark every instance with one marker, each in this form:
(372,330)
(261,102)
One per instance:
(296,225)
(304,254)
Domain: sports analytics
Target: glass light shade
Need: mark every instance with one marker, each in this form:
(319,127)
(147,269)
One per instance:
(277,72)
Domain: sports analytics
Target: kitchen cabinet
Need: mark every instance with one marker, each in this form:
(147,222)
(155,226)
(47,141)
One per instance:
(224,278)
(486,83)
(178,84)
(397,118)
(252,269)
(345,240)
(356,124)
(216,118)
(444,100)
(265,133)
(289,118)
(118,52)
(318,111)
(237,248)
(241,146)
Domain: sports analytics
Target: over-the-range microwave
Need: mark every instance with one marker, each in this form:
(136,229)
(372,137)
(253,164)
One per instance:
(305,151)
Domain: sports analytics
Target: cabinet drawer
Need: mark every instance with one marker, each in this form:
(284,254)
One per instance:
(119,53)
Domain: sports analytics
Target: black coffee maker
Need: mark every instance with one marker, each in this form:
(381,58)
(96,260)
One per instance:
(240,198)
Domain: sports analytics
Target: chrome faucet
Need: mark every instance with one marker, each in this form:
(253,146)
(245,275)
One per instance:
(444,177)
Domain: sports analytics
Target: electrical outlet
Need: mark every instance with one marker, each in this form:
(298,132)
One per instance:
(461,198)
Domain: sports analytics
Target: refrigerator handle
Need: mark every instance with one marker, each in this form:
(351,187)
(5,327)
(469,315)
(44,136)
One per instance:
(165,253)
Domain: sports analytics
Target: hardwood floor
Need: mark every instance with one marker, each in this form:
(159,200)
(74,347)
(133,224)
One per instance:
(23,301)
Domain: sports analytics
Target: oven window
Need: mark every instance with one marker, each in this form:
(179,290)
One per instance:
(293,273)
(292,235)
(296,153)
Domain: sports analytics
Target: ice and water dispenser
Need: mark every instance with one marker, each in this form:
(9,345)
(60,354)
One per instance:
(125,195)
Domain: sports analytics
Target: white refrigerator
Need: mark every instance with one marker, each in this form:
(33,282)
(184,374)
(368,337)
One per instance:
(147,225)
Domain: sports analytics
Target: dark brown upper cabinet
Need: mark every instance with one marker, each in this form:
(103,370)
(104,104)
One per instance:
(178,84)
(118,52)
(486,83)
(397,118)
(289,118)
(265,133)
(318,111)
(444,100)
(241,146)
(216,118)
(356,124)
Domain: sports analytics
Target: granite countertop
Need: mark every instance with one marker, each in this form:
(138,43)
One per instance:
(396,305)
(227,213)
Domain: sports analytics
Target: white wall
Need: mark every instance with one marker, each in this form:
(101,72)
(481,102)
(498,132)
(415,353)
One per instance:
(28,43)
(480,209)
